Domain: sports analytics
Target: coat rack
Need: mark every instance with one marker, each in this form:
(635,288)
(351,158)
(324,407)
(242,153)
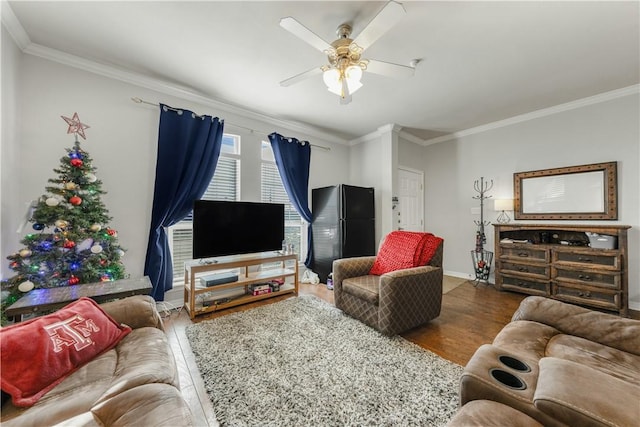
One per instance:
(481,259)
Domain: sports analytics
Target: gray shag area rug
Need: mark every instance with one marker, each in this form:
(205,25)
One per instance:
(302,362)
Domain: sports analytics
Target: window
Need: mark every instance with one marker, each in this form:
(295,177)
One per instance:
(223,186)
(273,191)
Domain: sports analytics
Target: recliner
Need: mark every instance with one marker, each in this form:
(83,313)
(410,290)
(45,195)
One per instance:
(393,302)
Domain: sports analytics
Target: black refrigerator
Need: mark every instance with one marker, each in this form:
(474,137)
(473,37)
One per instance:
(343,225)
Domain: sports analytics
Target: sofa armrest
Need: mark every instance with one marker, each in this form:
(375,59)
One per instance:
(603,328)
(578,395)
(137,311)
(155,404)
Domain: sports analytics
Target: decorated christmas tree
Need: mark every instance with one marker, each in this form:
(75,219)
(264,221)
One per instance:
(69,242)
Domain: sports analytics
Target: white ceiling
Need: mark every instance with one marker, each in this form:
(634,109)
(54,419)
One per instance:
(481,62)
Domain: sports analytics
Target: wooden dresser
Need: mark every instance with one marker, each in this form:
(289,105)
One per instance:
(557,262)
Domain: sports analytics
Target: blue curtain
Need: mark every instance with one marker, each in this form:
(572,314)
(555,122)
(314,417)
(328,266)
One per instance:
(188,151)
(293,158)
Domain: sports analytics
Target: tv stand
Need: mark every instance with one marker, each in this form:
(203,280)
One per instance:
(251,271)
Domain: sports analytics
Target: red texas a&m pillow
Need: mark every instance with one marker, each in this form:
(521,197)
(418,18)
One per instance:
(38,354)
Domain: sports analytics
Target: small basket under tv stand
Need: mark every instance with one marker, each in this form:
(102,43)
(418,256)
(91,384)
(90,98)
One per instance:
(246,277)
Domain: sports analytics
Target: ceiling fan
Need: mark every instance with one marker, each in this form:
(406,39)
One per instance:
(343,72)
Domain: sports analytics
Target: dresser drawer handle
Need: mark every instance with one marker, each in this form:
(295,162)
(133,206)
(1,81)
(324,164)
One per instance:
(523,254)
(523,269)
(524,285)
(583,277)
(583,259)
(584,294)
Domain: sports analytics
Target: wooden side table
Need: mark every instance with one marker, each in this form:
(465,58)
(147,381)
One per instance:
(39,301)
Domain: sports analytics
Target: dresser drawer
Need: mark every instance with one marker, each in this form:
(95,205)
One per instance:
(587,257)
(526,285)
(592,296)
(528,253)
(584,277)
(540,271)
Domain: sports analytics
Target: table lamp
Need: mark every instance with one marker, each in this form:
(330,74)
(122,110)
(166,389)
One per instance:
(503,205)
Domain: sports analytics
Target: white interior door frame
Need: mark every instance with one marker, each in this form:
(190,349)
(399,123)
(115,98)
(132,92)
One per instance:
(410,208)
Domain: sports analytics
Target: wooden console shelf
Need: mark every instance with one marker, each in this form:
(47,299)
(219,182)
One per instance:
(556,261)
(199,300)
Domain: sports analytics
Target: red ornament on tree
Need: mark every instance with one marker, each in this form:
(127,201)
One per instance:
(69,244)
(112,232)
(75,200)
(73,280)
(76,163)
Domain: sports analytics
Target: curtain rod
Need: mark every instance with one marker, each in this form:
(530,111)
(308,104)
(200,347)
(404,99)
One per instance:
(142,101)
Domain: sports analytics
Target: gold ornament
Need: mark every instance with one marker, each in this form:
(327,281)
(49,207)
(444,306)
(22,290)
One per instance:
(25,253)
(96,227)
(61,223)
(70,185)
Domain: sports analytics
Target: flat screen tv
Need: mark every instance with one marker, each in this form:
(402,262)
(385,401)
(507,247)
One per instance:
(232,228)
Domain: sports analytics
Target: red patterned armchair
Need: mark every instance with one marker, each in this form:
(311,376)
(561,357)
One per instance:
(392,302)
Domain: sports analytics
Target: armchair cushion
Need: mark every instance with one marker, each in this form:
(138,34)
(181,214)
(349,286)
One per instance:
(405,249)
(364,287)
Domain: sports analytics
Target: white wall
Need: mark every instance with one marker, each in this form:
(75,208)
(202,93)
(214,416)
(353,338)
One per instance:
(602,132)
(366,161)
(10,185)
(121,140)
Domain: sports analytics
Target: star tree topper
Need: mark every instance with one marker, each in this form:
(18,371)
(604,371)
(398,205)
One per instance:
(75,126)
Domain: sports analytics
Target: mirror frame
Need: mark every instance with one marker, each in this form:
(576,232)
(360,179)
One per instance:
(610,204)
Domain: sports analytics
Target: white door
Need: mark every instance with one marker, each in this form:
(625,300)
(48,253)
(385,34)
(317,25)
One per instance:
(410,209)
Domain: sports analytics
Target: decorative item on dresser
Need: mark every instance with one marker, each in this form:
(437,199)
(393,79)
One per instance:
(580,264)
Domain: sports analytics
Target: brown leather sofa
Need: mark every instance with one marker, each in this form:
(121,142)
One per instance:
(393,302)
(134,384)
(560,364)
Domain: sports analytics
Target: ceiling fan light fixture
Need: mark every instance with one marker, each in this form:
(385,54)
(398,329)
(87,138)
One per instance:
(336,80)
(353,75)
(332,79)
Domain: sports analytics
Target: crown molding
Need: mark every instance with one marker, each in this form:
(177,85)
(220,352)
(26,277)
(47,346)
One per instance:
(174,90)
(13,26)
(391,127)
(572,105)
(411,138)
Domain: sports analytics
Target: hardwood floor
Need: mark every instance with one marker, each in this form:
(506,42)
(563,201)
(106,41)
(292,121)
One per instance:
(470,316)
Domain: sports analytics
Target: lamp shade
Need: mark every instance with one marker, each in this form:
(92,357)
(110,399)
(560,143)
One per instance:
(503,204)
(331,78)
(344,83)
(353,74)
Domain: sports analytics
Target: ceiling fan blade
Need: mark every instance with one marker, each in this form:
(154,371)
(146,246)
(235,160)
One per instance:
(302,76)
(390,70)
(389,16)
(302,32)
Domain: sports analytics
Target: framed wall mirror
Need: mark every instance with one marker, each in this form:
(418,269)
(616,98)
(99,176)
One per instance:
(574,192)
